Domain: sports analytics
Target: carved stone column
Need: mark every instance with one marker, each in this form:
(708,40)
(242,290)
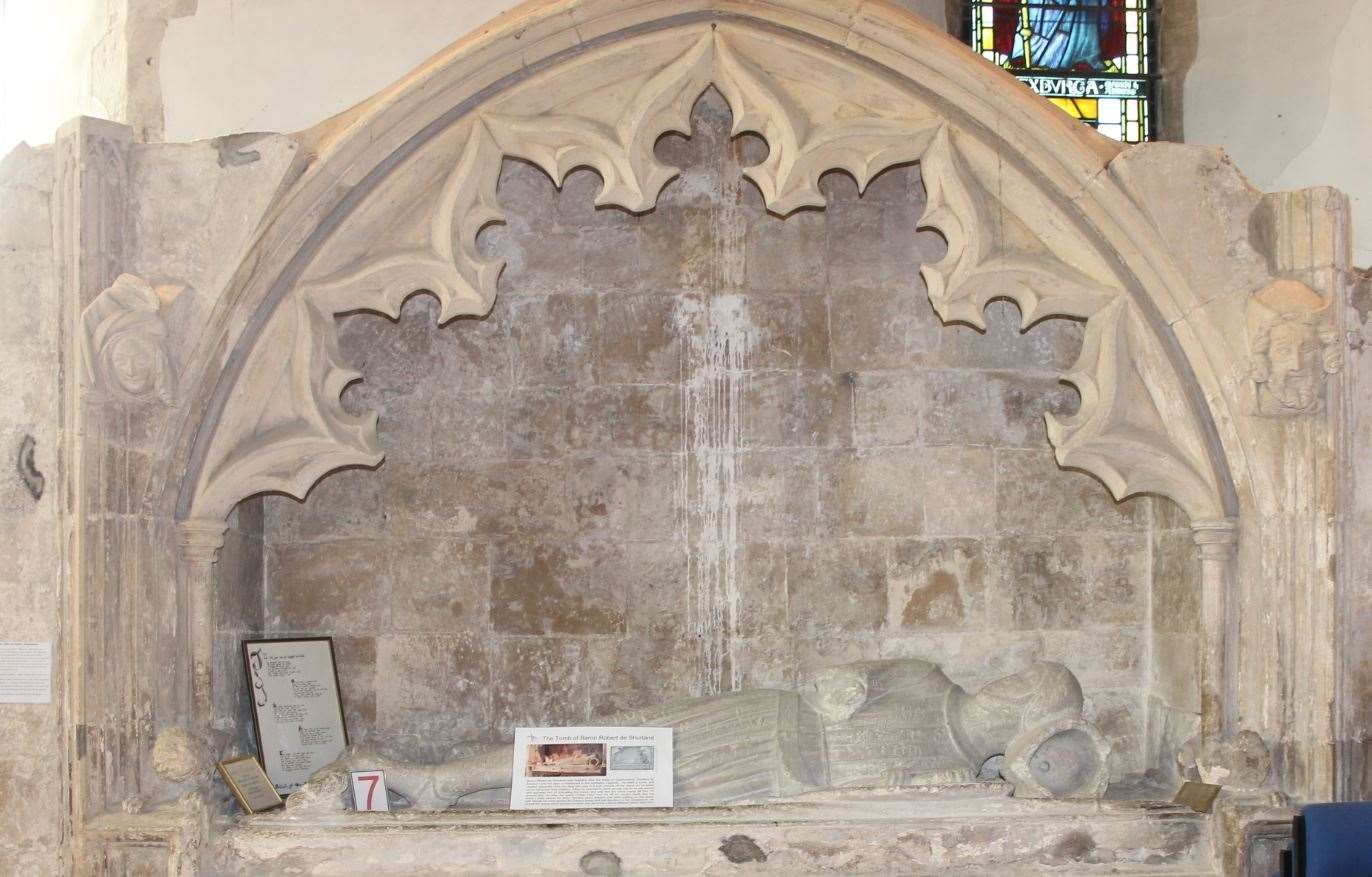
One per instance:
(90,240)
(1218,544)
(198,542)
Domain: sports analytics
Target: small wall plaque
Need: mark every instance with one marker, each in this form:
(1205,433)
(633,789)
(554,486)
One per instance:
(1198,796)
(249,784)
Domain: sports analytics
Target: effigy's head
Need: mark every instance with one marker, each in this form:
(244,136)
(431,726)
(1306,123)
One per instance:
(840,692)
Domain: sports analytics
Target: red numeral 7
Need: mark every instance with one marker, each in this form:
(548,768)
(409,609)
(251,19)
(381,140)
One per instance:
(371,779)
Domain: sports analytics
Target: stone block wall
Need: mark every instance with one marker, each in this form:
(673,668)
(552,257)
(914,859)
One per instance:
(32,805)
(699,449)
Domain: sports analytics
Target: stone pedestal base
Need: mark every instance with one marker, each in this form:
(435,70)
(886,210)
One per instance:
(869,833)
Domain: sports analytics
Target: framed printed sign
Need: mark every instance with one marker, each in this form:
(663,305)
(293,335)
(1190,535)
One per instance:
(296,708)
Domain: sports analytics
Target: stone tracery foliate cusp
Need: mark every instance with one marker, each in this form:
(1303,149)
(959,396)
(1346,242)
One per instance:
(1006,238)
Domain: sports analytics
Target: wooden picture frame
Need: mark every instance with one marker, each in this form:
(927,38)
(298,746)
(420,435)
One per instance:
(296,704)
(249,783)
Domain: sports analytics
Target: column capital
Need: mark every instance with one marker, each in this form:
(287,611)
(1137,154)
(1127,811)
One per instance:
(199,539)
(1216,537)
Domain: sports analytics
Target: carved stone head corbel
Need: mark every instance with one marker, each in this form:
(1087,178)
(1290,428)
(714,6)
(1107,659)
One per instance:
(124,342)
(1294,346)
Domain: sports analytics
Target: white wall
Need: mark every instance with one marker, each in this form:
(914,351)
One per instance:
(1278,83)
(48,64)
(1282,86)
(284,65)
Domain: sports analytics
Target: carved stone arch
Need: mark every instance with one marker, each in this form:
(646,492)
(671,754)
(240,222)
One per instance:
(402,186)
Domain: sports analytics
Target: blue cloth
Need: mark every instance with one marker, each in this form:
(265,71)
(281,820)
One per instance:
(1338,840)
(1066,34)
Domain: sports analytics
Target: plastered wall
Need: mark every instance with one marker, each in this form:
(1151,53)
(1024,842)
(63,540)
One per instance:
(697,450)
(32,807)
(1277,84)
(1281,86)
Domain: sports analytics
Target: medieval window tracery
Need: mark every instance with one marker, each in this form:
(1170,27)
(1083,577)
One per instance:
(1096,59)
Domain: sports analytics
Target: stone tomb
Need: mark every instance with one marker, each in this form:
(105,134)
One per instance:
(739,406)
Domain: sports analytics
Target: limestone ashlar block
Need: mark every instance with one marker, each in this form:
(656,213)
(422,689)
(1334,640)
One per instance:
(628,673)
(328,587)
(992,408)
(347,504)
(540,259)
(357,683)
(538,422)
(552,422)
(653,575)
(763,598)
(870,248)
(575,205)
(789,332)
(937,583)
(237,583)
(786,255)
(1034,494)
(474,353)
(778,493)
(422,670)
(390,353)
(888,408)
(462,426)
(609,249)
(797,409)
(962,481)
(1099,658)
(481,499)
(554,340)
(641,337)
(633,497)
(1070,580)
(636,418)
(528,196)
(836,586)
(1119,715)
(677,249)
(539,681)
(229,690)
(439,584)
(565,588)
(883,328)
(875,492)
(1174,677)
(1176,587)
(1050,346)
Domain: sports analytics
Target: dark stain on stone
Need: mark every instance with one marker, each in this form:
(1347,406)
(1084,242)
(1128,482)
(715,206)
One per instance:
(1016,404)
(230,153)
(938,600)
(1075,846)
(1361,295)
(601,862)
(740,848)
(28,472)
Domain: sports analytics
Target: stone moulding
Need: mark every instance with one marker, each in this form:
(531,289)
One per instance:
(277,424)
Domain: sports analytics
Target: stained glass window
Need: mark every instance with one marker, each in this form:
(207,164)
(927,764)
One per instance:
(1093,58)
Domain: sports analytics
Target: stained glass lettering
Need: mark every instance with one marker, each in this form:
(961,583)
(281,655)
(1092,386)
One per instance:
(1093,58)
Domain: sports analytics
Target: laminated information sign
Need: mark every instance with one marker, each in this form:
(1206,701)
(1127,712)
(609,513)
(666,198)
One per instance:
(557,768)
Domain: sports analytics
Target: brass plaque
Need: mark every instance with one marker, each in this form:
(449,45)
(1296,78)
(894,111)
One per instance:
(1198,796)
